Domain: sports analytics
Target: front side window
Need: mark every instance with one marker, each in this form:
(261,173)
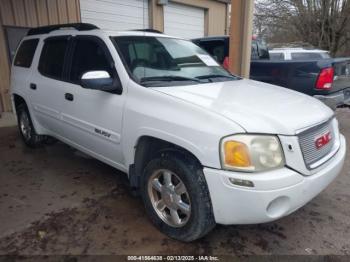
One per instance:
(25,53)
(89,55)
(158,61)
(52,57)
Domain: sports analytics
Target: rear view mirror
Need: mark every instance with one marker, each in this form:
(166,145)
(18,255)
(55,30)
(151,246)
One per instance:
(101,80)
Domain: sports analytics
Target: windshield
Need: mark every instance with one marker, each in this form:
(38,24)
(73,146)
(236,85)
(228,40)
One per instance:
(161,61)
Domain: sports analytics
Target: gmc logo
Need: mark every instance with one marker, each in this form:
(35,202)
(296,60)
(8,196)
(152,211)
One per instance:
(323,140)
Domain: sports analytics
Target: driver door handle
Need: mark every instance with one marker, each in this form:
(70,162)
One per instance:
(69,96)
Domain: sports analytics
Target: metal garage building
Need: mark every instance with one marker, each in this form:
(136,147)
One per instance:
(16,17)
(183,18)
(115,15)
(184,21)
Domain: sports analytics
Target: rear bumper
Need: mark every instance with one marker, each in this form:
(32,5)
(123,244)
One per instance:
(275,194)
(336,99)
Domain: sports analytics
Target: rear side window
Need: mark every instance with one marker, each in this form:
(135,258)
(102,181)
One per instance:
(52,57)
(276,56)
(325,55)
(306,56)
(25,53)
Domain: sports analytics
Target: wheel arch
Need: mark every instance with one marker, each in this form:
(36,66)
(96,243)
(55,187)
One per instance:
(17,99)
(147,147)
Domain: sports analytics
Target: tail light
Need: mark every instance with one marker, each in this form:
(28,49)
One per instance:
(226,63)
(325,79)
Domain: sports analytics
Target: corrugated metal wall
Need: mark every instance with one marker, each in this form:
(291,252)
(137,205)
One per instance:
(116,15)
(29,13)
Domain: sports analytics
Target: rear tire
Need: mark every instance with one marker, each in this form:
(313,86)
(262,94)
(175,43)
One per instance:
(181,211)
(26,128)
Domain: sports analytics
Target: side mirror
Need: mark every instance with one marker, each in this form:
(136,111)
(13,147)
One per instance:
(101,80)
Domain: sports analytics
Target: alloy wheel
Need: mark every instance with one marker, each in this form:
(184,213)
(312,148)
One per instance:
(169,197)
(25,126)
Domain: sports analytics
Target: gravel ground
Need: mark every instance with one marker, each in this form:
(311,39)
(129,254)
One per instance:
(55,200)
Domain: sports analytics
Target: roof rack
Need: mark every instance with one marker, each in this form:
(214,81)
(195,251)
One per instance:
(47,29)
(149,30)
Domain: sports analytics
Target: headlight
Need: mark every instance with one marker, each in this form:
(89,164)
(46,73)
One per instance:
(251,153)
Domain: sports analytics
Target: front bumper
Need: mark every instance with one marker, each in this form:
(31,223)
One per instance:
(275,194)
(336,99)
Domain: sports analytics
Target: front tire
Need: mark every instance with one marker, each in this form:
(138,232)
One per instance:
(176,197)
(26,128)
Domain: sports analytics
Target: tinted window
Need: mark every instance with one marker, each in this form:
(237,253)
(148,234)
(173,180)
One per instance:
(89,55)
(306,56)
(277,56)
(52,57)
(25,53)
(216,48)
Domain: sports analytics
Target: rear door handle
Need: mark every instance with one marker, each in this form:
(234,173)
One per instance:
(32,86)
(69,96)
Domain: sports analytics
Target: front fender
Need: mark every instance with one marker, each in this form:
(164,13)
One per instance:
(168,137)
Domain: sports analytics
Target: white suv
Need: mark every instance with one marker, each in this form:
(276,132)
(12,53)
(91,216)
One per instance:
(200,145)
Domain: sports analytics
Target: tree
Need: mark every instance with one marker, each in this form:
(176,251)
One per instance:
(322,23)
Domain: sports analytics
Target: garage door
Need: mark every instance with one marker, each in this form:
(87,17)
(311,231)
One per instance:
(115,15)
(183,20)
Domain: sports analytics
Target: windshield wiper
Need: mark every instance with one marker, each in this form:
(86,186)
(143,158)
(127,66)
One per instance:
(216,76)
(168,79)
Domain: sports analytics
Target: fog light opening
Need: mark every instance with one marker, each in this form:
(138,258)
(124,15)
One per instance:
(241,182)
(278,207)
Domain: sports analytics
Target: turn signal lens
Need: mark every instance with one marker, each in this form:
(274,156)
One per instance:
(236,154)
(251,153)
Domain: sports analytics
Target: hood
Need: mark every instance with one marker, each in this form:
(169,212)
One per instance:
(256,106)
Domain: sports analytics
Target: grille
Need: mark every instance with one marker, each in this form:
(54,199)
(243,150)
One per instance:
(307,141)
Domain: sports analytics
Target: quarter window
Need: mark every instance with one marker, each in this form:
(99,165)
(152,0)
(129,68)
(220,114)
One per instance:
(52,57)
(89,55)
(25,53)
